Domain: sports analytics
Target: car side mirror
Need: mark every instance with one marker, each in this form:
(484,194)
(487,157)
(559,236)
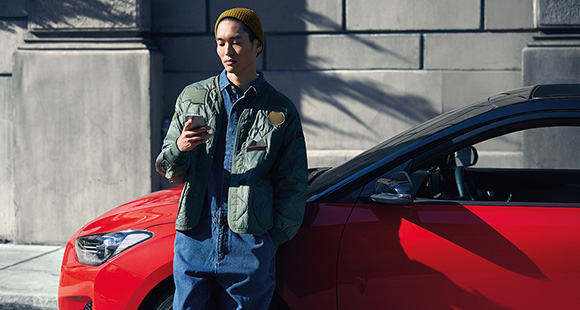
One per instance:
(466,157)
(394,189)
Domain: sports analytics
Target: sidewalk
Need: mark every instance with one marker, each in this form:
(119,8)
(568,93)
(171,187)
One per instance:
(29,276)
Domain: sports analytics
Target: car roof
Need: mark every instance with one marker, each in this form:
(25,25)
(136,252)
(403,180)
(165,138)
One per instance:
(555,91)
(537,92)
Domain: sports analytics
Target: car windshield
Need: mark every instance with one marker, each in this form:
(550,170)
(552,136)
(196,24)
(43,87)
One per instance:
(374,155)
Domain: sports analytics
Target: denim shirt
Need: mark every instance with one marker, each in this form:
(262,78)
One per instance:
(219,178)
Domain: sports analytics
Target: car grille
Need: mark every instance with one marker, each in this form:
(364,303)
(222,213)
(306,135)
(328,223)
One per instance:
(89,306)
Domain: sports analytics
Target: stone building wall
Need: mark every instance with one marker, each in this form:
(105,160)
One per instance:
(86,86)
(360,71)
(82,93)
(553,57)
(13,25)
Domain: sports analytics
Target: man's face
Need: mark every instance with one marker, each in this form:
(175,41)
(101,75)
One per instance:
(236,51)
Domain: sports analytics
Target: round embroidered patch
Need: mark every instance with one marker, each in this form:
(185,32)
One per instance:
(276,118)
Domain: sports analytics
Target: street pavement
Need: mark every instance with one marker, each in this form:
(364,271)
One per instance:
(29,276)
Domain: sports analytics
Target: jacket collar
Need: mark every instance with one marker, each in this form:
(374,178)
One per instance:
(256,86)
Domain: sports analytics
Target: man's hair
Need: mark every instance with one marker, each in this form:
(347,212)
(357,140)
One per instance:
(244,27)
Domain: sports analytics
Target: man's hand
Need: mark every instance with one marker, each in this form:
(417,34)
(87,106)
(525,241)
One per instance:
(191,138)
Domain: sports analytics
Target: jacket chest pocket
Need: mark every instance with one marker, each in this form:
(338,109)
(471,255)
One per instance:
(259,148)
(263,141)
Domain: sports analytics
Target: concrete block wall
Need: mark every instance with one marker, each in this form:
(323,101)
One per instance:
(95,149)
(554,52)
(80,92)
(361,71)
(13,26)
(88,15)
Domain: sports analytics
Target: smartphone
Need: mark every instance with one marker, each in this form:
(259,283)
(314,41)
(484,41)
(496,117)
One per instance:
(198,121)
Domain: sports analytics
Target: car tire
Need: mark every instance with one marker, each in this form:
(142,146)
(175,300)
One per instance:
(165,304)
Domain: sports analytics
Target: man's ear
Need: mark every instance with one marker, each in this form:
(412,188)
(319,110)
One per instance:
(259,47)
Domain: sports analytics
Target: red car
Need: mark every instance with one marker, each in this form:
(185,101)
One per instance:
(421,221)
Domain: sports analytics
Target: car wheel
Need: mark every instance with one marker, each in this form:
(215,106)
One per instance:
(165,304)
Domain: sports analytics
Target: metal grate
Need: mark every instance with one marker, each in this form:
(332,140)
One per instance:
(88,306)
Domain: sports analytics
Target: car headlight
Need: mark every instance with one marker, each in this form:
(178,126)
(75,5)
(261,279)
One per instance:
(96,249)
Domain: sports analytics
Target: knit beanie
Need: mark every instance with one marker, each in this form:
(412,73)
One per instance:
(248,18)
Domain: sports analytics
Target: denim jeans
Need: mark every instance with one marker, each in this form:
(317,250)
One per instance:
(215,268)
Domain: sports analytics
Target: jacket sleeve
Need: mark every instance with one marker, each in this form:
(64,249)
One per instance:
(290,177)
(171,162)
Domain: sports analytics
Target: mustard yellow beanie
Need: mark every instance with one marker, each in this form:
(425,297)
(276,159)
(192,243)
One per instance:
(248,18)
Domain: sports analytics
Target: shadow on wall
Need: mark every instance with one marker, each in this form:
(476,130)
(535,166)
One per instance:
(322,80)
(325,22)
(48,14)
(6,26)
(346,97)
(345,90)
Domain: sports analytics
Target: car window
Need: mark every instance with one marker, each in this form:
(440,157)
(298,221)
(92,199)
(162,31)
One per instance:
(390,146)
(532,165)
(537,148)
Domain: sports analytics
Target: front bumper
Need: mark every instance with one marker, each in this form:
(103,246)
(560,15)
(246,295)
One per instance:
(120,283)
(105,287)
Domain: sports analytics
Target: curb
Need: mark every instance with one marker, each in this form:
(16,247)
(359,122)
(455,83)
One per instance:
(29,276)
(15,302)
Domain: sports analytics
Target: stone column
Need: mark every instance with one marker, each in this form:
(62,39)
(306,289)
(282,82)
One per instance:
(12,28)
(553,57)
(87,88)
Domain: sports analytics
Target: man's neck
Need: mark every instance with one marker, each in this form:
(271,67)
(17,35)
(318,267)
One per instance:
(243,82)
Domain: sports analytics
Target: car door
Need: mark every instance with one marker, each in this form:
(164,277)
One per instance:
(306,266)
(467,255)
(516,251)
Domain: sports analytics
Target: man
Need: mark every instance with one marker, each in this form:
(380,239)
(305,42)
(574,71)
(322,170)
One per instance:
(245,176)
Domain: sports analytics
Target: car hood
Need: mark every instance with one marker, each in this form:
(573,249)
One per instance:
(150,210)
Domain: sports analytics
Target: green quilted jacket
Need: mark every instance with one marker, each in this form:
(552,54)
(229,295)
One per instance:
(267,192)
